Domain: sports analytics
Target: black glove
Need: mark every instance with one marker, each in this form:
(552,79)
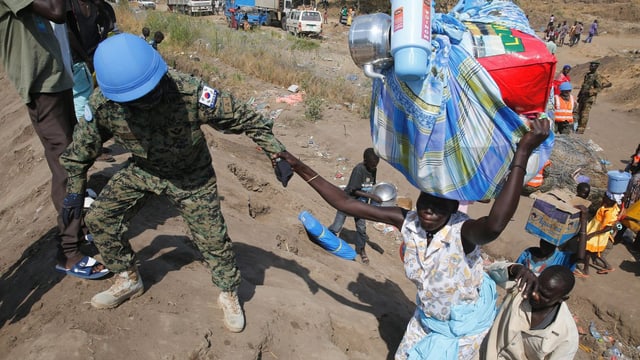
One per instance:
(283,171)
(72,208)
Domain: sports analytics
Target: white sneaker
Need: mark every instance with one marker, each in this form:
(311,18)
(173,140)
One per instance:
(233,314)
(128,285)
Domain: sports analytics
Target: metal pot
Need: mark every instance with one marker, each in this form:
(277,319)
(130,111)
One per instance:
(386,192)
(370,43)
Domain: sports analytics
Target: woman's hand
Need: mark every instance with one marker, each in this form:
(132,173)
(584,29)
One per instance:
(288,157)
(537,135)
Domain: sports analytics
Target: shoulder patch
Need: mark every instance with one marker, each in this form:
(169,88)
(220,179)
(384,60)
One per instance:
(88,114)
(208,97)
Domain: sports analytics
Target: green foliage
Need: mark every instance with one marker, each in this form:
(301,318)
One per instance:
(182,29)
(157,21)
(304,44)
(313,107)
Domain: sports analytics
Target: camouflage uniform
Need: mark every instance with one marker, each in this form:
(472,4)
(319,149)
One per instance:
(591,86)
(169,157)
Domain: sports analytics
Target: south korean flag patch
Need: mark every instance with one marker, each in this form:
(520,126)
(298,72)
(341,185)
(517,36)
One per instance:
(208,97)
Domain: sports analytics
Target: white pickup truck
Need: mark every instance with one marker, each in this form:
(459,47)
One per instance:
(146,4)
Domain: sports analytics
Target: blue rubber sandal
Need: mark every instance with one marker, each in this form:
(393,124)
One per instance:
(83,269)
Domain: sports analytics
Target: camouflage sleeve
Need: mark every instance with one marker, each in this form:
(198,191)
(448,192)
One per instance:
(233,117)
(81,154)
(602,82)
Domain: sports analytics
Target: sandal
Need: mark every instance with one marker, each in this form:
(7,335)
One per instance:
(364,257)
(579,274)
(605,271)
(84,269)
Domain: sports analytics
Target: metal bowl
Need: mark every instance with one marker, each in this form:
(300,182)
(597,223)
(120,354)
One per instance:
(370,40)
(387,192)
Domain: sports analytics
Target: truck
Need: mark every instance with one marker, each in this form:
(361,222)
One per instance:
(191,7)
(276,10)
(253,16)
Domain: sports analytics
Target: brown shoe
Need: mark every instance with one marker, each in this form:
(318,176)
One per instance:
(106,158)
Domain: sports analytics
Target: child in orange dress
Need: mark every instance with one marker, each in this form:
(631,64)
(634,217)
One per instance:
(600,231)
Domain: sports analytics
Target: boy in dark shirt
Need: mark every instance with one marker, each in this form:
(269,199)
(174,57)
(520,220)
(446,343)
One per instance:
(361,181)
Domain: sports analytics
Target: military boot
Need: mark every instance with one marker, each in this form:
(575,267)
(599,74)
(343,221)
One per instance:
(128,285)
(233,314)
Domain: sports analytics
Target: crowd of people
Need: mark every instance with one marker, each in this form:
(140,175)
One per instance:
(156,114)
(571,114)
(561,34)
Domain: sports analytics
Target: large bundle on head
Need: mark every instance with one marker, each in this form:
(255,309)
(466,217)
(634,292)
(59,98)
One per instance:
(450,132)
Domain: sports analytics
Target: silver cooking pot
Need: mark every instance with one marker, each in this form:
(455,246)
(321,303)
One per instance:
(387,192)
(370,43)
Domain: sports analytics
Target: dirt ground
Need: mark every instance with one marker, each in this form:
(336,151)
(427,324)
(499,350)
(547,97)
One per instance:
(300,301)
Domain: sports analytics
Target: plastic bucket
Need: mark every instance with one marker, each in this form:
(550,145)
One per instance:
(618,181)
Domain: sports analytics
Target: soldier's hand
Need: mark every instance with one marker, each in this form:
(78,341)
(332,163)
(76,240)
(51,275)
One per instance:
(289,158)
(72,208)
(283,170)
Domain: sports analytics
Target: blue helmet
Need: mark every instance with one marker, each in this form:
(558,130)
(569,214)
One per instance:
(565,86)
(127,68)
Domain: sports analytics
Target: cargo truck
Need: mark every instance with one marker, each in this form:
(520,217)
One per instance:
(191,7)
(276,10)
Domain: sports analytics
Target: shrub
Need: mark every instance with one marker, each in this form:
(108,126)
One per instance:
(313,108)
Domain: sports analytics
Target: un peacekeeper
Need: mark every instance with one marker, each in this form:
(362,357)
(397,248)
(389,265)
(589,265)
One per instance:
(591,86)
(156,115)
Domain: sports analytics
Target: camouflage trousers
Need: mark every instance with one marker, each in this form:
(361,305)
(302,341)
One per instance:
(565,128)
(125,194)
(584,107)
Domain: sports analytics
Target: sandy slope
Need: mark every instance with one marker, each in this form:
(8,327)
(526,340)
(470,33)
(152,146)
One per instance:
(300,301)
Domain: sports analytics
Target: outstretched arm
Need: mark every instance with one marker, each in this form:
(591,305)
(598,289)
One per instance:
(235,117)
(488,228)
(339,199)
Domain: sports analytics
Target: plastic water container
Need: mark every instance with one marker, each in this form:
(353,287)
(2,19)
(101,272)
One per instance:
(618,181)
(410,38)
(313,226)
(325,238)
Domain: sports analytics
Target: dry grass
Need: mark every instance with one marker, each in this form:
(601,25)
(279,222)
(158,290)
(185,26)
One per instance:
(273,57)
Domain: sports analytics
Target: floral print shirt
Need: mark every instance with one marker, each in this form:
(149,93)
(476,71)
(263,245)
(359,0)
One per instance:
(444,276)
(441,271)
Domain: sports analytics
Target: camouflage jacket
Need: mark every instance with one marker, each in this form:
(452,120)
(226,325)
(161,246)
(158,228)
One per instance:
(167,140)
(592,84)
